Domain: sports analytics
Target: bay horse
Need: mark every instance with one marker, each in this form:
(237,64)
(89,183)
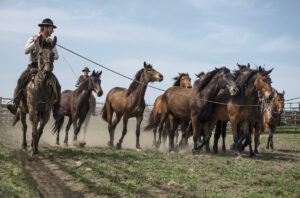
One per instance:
(182,80)
(41,95)
(271,118)
(242,110)
(184,104)
(129,103)
(76,104)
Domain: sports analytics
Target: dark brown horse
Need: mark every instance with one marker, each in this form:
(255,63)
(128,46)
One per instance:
(182,80)
(179,104)
(128,103)
(271,118)
(76,104)
(41,95)
(242,110)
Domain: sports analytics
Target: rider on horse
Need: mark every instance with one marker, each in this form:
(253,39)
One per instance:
(32,48)
(78,83)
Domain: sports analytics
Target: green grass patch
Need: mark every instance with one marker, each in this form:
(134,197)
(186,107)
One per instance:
(14,181)
(129,173)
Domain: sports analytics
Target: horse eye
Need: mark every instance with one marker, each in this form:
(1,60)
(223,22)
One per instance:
(41,53)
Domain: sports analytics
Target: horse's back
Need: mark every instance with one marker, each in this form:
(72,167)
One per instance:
(117,98)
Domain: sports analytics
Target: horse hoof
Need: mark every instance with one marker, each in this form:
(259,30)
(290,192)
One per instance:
(57,143)
(252,154)
(256,151)
(118,146)
(224,149)
(208,151)
(196,152)
(238,154)
(157,145)
(138,147)
(110,144)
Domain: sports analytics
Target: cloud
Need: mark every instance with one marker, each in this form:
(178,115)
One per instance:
(280,44)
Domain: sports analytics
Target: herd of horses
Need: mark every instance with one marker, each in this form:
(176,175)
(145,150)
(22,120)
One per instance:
(244,97)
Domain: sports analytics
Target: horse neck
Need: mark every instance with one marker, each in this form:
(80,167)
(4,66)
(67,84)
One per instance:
(85,90)
(250,93)
(40,82)
(139,93)
(211,90)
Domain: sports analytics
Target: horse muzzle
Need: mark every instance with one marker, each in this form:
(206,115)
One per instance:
(99,92)
(233,90)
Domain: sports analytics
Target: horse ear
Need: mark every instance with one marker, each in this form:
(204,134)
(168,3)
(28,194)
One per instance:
(93,73)
(41,41)
(99,74)
(238,65)
(145,64)
(268,72)
(259,69)
(248,65)
(283,92)
(54,41)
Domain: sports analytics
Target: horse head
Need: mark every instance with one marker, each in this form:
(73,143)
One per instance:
(263,83)
(46,55)
(183,80)
(151,74)
(95,83)
(226,80)
(279,101)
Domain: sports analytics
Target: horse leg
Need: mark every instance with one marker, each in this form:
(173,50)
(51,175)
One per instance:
(67,131)
(24,129)
(34,123)
(86,123)
(224,124)
(125,121)
(43,122)
(271,138)
(249,135)
(196,133)
(112,127)
(139,120)
(257,132)
(235,136)
(176,136)
(80,121)
(173,126)
(161,127)
(217,136)
(154,138)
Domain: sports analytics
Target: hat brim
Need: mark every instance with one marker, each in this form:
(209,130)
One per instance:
(86,70)
(43,24)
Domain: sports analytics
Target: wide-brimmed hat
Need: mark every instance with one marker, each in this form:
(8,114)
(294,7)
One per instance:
(86,69)
(47,22)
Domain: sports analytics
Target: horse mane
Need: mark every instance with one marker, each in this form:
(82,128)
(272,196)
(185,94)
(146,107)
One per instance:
(209,76)
(136,80)
(178,78)
(83,85)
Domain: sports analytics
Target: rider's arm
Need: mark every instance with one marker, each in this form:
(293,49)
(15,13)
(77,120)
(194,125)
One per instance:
(29,45)
(77,82)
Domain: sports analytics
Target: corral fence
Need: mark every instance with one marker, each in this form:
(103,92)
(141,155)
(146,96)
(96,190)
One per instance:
(289,122)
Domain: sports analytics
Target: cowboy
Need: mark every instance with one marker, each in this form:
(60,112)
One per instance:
(81,78)
(32,48)
(92,99)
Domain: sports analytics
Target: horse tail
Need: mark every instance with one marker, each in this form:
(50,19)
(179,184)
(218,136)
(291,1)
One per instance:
(16,118)
(58,124)
(104,113)
(153,121)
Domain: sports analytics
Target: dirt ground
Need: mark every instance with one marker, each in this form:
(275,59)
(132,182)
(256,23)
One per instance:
(51,181)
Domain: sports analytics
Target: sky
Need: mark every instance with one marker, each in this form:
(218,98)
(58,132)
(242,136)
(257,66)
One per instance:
(173,35)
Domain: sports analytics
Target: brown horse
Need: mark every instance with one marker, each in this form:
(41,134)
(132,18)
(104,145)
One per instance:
(220,116)
(179,104)
(76,104)
(128,103)
(241,110)
(271,118)
(182,80)
(41,95)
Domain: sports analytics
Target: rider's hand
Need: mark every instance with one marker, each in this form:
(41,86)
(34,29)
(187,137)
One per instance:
(35,38)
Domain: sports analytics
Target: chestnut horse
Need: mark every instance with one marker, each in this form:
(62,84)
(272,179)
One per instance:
(271,118)
(129,103)
(182,80)
(76,104)
(179,104)
(41,95)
